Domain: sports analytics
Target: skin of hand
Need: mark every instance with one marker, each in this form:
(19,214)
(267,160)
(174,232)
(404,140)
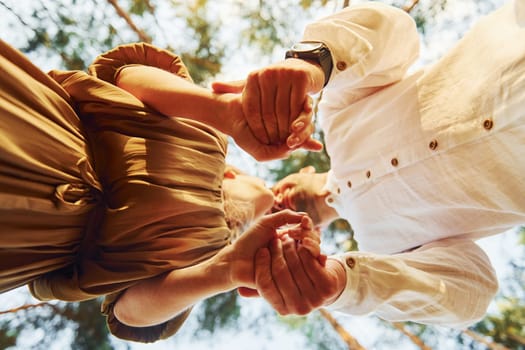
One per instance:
(240,256)
(304,191)
(238,128)
(179,289)
(293,281)
(159,89)
(304,235)
(273,97)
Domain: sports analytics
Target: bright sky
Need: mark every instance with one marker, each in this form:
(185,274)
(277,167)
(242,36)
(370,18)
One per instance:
(500,248)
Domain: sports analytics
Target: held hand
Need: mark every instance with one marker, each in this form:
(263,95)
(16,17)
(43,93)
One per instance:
(273,97)
(240,256)
(238,128)
(293,281)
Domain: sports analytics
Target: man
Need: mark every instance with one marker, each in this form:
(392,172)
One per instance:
(422,164)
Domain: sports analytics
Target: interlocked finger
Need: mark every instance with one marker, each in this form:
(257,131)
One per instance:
(252,109)
(268,94)
(282,277)
(265,283)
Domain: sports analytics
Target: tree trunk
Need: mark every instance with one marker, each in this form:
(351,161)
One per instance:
(352,343)
(414,338)
(410,7)
(120,11)
(485,341)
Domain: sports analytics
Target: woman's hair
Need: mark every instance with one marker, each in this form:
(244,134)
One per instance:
(238,214)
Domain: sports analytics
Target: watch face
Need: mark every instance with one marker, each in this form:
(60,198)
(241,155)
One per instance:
(306,46)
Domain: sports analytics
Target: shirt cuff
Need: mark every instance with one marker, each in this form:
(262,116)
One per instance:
(349,294)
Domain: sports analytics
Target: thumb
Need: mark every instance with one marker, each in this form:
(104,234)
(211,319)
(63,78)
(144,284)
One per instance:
(281,218)
(223,87)
(312,145)
(264,230)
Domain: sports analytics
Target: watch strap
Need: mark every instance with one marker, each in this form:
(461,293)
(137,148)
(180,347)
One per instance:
(320,55)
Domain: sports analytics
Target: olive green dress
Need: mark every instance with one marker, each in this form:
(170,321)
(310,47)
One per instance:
(98,191)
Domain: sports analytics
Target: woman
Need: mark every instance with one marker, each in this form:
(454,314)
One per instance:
(106,194)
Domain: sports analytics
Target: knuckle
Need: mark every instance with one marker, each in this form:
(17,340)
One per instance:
(269,75)
(317,303)
(302,310)
(254,75)
(278,307)
(327,291)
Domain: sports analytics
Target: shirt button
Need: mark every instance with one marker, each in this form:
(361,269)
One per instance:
(488,124)
(433,144)
(350,262)
(341,65)
(368,173)
(330,200)
(394,162)
(349,184)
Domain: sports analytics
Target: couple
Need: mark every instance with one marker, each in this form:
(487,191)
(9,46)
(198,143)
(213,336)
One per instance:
(128,203)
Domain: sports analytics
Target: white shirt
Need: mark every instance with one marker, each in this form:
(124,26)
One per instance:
(435,159)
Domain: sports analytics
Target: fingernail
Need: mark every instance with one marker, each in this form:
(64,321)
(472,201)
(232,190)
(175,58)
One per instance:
(293,141)
(298,126)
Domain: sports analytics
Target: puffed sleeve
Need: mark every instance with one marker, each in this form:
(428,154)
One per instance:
(140,334)
(107,66)
(161,179)
(449,282)
(372,45)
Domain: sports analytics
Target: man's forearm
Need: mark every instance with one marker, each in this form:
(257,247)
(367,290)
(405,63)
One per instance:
(449,283)
(158,299)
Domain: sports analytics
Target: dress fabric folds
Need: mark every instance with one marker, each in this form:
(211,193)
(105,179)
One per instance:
(98,191)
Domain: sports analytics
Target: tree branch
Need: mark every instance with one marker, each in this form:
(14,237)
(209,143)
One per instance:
(480,339)
(414,338)
(352,343)
(24,307)
(10,9)
(120,11)
(410,7)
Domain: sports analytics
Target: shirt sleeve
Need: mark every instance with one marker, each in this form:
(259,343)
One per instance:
(371,44)
(449,282)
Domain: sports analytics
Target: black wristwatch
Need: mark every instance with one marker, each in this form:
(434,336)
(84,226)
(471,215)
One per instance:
(315,51)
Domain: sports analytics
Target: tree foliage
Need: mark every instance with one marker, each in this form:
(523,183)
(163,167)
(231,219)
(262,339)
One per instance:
(83,321)
(69,34)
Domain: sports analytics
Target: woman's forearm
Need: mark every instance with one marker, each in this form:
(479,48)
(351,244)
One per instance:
(159,299)
(173,96)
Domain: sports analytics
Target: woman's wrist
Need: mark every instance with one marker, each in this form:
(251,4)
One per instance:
(221,268)
(228,113)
